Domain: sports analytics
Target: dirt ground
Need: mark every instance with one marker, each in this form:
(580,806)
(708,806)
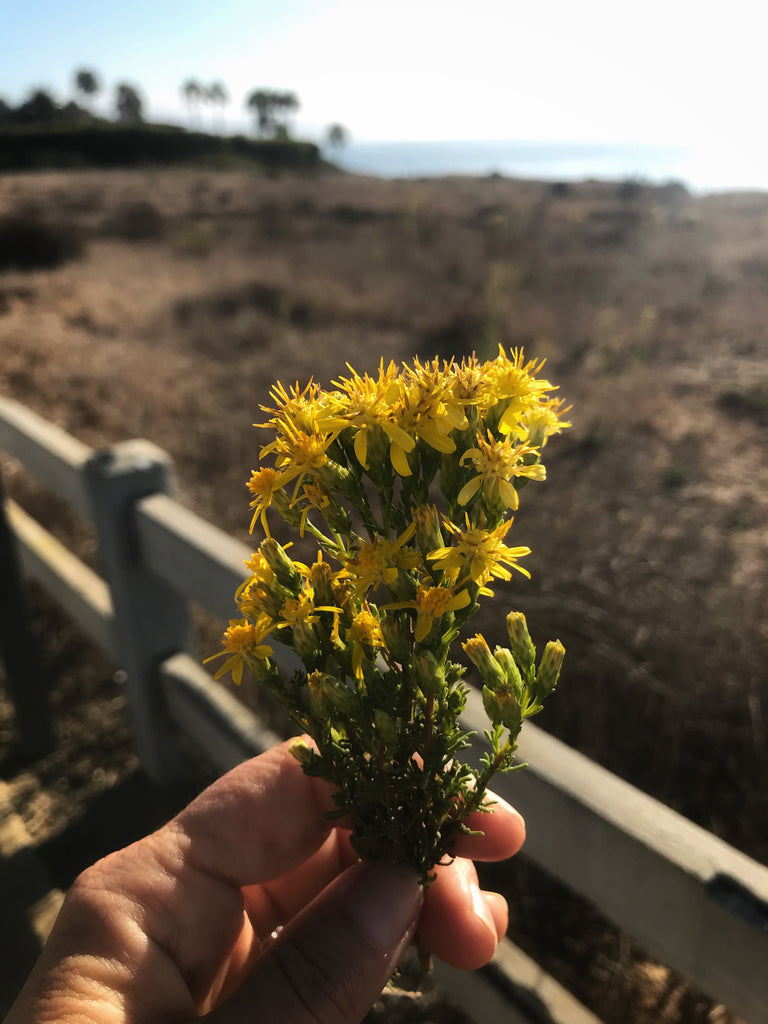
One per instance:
(173,299)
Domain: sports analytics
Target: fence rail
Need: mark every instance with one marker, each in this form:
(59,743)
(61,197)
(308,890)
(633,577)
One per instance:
(691,900)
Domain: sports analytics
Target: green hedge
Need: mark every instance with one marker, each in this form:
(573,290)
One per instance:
(33,148)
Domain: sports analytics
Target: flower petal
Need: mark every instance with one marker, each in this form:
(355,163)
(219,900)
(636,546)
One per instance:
(469,490)
(399,460)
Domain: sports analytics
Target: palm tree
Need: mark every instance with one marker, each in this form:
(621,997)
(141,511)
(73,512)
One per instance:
(87,84)
(259,102)
(270,108)
(217,95)
(193,92)
(336,137)
(287,103)
(128,104)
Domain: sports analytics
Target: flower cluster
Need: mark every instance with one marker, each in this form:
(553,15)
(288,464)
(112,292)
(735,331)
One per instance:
(406,482)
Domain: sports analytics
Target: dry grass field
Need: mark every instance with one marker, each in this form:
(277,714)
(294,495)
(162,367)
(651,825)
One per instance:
(177,297)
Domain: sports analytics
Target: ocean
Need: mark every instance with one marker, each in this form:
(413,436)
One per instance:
(712,169)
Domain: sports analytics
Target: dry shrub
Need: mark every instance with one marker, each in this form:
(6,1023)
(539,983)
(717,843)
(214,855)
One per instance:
(136,220)
(749,403)
(28,242)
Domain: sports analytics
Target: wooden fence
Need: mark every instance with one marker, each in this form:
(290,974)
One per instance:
(689,899)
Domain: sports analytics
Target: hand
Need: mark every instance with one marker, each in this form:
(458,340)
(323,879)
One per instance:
(249,906)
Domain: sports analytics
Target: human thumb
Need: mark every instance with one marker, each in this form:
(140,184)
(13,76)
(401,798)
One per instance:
(329,965)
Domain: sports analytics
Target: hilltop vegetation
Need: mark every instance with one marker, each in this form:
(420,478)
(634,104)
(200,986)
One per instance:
(43,133)
(109,145)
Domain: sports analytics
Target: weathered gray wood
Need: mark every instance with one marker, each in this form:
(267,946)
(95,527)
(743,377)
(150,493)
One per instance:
(152,620)
(53,456)
(201,561)
(694,902)
(26,682)
(77,589)
(224,729)
(512,989)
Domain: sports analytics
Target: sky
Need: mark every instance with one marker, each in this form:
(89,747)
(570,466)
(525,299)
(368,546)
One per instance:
(659,71)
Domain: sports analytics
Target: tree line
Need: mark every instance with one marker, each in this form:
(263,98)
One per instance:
(270,109)
(40,107)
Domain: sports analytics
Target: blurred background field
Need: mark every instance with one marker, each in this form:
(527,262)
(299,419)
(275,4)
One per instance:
(164,303)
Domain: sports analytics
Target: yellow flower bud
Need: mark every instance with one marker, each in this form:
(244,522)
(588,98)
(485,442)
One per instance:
(479,653)
(302,751)
(511,671)
(549,668)
(520,640)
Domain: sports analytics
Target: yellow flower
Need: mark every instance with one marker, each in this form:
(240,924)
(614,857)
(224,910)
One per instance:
(365,633)
(515,385)
(262,575)
(368,405)
(298,609)
(539,422)
(243,639)
(473,385)
(303,407)
(479,554)
(430,407)
(434,602)
(299,453)
(265,484)
(380,561)
(497,463)
(316,496)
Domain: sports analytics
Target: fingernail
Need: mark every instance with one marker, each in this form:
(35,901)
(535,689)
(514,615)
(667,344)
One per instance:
(383,902)
(483,912)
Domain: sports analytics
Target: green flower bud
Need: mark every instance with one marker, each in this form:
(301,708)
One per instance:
(479,653)
(274,598)
(321,575)
(385,727)
(337,478)
(337,692)
(261,668)
(520,641)
(429,674)
(281,565)
(429,536)
(504,657)
(491,706)
(377,456)
(549,668)
(319,704)
(396,637)
(336,517)
(452,477)
(511,713)
(305,640)
(286,508)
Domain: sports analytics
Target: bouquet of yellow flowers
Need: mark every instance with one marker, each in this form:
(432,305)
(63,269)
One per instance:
(407,482)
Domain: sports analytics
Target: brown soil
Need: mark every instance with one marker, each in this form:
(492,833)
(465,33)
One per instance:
(194,291)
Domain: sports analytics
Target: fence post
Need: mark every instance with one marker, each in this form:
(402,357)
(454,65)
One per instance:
(152,620)
(25,675)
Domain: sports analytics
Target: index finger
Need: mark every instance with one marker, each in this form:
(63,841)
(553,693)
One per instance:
(500,832)
(259,821)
